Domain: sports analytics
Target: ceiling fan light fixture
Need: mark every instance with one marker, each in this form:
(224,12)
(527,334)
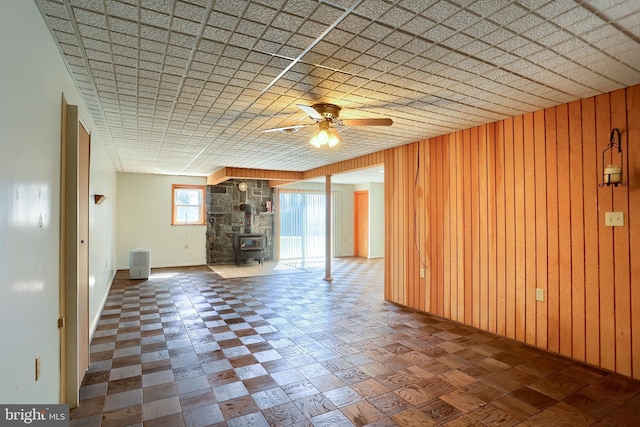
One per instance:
(334,138)
(326,136)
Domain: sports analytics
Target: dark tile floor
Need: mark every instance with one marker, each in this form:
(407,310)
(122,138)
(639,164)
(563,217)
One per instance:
(187,348)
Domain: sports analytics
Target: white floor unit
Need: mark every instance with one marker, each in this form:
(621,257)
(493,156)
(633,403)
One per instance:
(139,264)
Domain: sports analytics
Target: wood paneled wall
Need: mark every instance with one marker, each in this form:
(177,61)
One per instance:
(492,213)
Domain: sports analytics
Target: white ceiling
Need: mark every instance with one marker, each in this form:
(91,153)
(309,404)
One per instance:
(186,87)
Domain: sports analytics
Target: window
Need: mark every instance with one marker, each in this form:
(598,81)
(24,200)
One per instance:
(188,204)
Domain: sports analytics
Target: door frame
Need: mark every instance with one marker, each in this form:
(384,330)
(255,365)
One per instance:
(73,321)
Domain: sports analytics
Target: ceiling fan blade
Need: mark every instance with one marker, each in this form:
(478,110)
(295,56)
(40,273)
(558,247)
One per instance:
(311,112)
(287,129)
(365,122)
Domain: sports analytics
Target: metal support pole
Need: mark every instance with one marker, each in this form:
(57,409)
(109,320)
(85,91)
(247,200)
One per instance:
(328,230)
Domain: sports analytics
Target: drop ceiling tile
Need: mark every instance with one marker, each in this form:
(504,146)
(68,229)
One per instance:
(122,26)
(399,18)
(93,32)
(376,32)
(461,20)
(120,9)
(354,24)
(554,38)
(418,25)
(508,14)
(189,11)
(442,11)
(586,26)
(254,12)
(90,18)
(123,51)
(438,33)
(571,16)
(184,27)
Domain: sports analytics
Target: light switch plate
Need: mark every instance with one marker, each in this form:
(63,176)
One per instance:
(539,294)
(614,219)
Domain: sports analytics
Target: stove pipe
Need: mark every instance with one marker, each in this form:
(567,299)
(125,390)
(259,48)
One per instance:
(248,214)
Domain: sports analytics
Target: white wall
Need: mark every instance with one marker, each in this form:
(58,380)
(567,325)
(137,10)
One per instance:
(102,230)
(144,221)
(32,81)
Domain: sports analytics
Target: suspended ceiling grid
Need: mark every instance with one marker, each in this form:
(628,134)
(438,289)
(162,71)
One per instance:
(186,87)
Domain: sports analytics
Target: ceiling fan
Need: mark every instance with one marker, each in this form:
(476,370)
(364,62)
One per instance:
(326,117)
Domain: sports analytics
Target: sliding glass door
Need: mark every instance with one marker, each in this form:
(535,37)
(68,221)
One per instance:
(302,224)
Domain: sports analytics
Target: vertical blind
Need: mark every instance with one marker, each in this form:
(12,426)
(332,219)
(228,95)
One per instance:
(302,224)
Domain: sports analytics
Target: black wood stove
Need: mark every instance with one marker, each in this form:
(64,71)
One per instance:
(249,246)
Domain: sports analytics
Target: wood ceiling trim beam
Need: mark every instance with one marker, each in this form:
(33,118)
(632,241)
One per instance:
(281,177)
(362,162)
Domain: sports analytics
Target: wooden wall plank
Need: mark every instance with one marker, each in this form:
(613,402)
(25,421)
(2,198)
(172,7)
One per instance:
(446,227)
(540,153)
(466,209)
(591,176)
(410,278)
(621,247)
(492,228)
(501,254)
(520,283)
(553,229)
(433,150)
(577,231)
(632,176)
(475,228)
(415,228)
(426,282)
(564,228)
(401,226)
(388,219)
(605,239)
(531,280)
(453,227)
(460,226)
(440,222)
(510,229)
(484,227)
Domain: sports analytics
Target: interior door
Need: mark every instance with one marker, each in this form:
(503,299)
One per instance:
(361,223)
(74,255)
(84,143)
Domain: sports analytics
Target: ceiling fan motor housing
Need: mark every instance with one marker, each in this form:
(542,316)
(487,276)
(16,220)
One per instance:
(327,111)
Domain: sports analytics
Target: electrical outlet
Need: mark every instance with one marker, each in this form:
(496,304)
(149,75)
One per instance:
(614,219)
(422,273)
(539,294)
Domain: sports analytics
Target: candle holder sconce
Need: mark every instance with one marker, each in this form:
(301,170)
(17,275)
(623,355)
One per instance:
(612,174)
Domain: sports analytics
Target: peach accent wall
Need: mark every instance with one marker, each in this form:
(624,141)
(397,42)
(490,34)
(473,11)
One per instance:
(494,212)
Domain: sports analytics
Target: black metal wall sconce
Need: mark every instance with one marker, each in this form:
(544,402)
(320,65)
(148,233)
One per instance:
(612,174)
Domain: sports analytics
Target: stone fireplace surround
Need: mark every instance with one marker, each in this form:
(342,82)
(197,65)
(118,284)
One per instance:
(225,217)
